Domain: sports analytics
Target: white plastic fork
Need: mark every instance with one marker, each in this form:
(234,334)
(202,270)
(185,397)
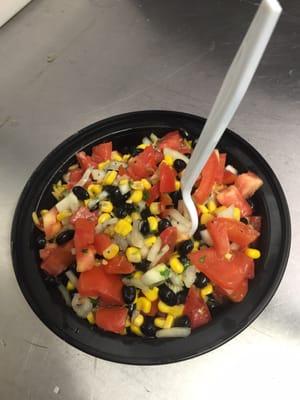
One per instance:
(233,89)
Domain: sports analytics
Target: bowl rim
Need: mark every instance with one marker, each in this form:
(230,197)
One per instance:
(164,360)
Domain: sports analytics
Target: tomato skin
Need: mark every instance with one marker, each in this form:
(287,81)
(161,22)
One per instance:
(256,222)
(173,140)
(119,265)
(84,233)
(50,224)
(221,168)
(111,319)
(74,177)
(102,152)
(167,177)
(196,309)
(165,201)
(154,309)
(102,242)
(57,259)
(84,213)
(248,183)
(85,258)
(208,178)
(153,194)
(219,235)
(229,178)
(97,282)
(143,165)
(238,294)
(169,237)
(232,196)
(85,161)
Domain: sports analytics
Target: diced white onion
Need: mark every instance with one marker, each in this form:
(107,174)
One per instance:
(160,254)
(176,279)
(135,238)
(180,218)
(121,242)
(173,332)
(156,275)
(100,227)
(154,250)
(81,305)
(146,140)
(227,213)
(72,277)
(124,188)
(102,195)
(65,294)
(189,276)
(70,202)
(98,175)
(234,246)
(154,138)
(135,282)
(144,251)
(231,169)
(85,177)
(114,165)
(141,205)
(206,237)
(175,154)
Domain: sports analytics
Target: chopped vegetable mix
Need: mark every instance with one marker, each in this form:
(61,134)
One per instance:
(117,239)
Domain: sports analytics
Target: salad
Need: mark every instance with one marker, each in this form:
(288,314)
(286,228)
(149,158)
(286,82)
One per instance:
(117,243)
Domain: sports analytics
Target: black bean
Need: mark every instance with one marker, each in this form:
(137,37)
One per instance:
(120,211)
(163,224)
(129,293)
(182,321)
(98,256)
(145,228)
(179,165)
(145,213)
(167,295)
(130,208)
(41,241)
(185,247)
(176,196)
(114,194)
(244,220)
(143,265)
(126,196)
(185,261)
(131,308)
(148,328)
(197,234)
(181,296)
(65,236)
(201,280)
(49,279)
(80,193)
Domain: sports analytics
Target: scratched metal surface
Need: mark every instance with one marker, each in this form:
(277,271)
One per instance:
(65,64)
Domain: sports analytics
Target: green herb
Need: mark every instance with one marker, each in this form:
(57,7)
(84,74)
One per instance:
(94,301)
(202,259)
(146,195)
(165,273)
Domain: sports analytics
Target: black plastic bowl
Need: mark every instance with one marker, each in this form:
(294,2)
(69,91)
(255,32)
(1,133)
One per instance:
(123,130)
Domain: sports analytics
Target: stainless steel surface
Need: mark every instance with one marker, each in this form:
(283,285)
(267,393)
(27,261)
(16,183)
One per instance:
(65,64)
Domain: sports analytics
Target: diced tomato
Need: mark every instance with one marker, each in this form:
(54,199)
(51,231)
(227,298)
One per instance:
(111,319)
(57,259)
(208,178)
(153,194)
(85,258)
(102,152)
(154,309)
(84,233)
(229,178)
(247,184)
(221,168)
(97,282)
(173,140)
(219,235)
(119,265)
(167,177)
(122,171)
(255,221)
(74,177)
(196,309)
(143,165)
(164,203)
(237,294)
(102,242)
(85,161)
(227,274)
(232,196)
(84,212)
(50,224)
(169,237)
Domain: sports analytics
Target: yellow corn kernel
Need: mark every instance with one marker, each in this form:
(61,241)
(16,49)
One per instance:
(90,317)
(123,227)
(177,311)
(70,286)
(153,223)
(43,212)
(159,322)
(208,289)
(196,245)
(228,256)
(123,182)
(135,216)
(128,219)
(163,307)
(35,218)
(106,206)
(63,215)
(169,321)
(154,208)
(137,185)
(151,294)
(143,304)
(212,206)
(219,209)
(176,265)
(236,213)
(133,254)
(138,320)
(205,218)
(203,209)
(86,202)
(146,184)
(177,185)
(142,146)
(149,242)
(168,160)
(103,164)
(136,196)
(126,157)
(253,253)
(94,189)
(138,275)
(110,177)
(115,156)
(103,217)
(111,251)
(136,330)
(127,322)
